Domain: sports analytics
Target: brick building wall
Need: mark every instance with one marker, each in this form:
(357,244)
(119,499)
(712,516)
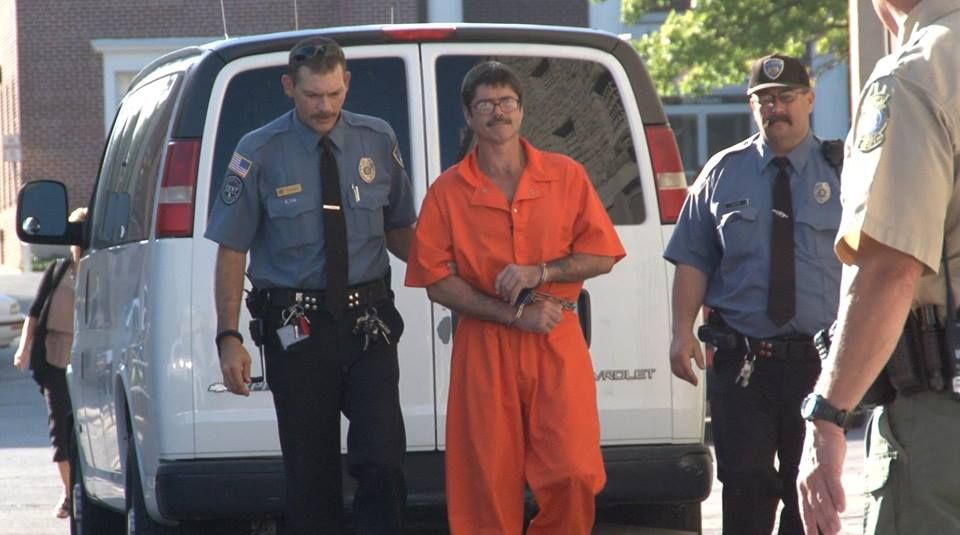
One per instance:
(9,126)
(60,82)
(558,12)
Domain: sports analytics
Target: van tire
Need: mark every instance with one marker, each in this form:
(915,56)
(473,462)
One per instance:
(138,520)
(86,516)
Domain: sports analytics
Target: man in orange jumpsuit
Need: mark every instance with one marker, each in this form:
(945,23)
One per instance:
(523,402)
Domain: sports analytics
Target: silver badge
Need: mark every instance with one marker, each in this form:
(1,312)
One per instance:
(367,169)
(231,190)
(821,192)
(773,68)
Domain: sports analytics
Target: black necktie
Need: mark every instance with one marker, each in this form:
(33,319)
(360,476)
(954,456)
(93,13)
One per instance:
(781,299)
(334,232)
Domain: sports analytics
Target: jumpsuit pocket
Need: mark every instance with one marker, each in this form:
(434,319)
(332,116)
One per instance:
(738,235)
(293,220)
(367,202)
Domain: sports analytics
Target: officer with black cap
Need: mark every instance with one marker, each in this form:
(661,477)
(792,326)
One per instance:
(754,242)
(317,197)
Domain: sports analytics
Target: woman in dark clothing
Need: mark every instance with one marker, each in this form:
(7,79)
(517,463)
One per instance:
(47,335)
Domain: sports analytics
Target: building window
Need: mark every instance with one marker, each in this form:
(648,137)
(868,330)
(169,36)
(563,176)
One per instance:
(123,59)
(702,130)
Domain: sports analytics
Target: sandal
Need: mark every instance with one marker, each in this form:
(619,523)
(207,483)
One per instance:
(63,510)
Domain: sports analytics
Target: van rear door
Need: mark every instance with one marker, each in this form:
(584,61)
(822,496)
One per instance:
(385,82)
(579,101)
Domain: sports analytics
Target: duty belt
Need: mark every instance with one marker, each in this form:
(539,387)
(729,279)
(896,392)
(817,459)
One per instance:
(788,346)
(358,296)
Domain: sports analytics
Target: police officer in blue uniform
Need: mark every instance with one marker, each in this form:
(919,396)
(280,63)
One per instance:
(317,197)
(754,242)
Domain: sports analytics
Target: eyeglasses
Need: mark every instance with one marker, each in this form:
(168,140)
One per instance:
(784,97)
(310,51)
(506,104)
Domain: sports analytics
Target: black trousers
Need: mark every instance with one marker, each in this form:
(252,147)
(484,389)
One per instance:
(750,426)
(312,382)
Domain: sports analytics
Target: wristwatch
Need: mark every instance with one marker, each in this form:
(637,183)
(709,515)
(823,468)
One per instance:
(815,407)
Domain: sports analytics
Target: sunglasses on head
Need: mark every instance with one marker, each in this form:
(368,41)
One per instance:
(306,52)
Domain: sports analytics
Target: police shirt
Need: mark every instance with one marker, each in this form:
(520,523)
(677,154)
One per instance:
(901,183)
(270,201)
(725,226)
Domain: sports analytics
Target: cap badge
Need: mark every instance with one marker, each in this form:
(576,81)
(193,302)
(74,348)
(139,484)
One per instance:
(368,171)
(773,68)
(821,192)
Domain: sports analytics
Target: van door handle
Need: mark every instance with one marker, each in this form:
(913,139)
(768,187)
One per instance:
(583,313)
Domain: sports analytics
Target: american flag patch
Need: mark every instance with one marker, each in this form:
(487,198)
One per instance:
(239,165)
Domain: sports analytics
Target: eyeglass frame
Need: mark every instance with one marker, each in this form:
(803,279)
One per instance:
(771,99)
(308,52)
(495,103)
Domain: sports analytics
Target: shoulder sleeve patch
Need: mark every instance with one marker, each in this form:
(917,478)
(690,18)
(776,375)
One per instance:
(231,190)
(873,116)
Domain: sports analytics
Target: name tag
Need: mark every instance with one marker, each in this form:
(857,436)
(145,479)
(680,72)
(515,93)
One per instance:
(286,191)
(736,204)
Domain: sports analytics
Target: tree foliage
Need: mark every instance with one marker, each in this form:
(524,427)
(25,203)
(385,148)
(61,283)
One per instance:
(712,44)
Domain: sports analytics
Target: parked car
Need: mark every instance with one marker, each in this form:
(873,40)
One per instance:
(11,320)
(157,436)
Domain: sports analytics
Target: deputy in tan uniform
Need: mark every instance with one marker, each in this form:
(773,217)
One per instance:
(901,201)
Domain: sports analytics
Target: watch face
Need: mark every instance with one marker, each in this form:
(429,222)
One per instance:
(808,407)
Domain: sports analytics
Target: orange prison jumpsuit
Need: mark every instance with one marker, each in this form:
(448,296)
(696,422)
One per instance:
(522,406)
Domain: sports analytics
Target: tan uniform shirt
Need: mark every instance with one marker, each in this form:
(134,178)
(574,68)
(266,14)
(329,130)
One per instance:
(899,182)
(60,321)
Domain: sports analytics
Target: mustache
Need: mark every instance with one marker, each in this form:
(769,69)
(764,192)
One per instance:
(499,120)
(322,116)
(769,121)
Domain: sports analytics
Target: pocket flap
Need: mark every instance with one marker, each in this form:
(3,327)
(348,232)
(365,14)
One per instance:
(748,213)
(290,206)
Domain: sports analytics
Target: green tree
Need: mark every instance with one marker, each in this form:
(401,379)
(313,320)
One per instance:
(712,44)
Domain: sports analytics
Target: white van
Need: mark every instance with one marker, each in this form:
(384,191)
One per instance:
(157,435)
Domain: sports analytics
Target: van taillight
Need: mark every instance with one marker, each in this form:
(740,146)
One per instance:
(418,34)
(668,169)
(178,188)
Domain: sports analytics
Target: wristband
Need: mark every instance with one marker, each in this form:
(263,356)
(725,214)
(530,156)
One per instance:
(228,333)
(517,317)
(543,273)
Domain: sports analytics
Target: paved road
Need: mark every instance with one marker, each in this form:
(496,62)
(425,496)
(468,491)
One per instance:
(29,485)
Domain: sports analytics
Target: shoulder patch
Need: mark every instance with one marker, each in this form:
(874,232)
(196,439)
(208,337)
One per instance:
(239,165)
(231,190)
(873,117)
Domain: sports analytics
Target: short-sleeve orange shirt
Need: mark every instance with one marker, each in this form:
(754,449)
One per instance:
(466,220)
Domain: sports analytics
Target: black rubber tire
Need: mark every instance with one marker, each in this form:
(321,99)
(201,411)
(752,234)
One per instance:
(138,520)
(87,517)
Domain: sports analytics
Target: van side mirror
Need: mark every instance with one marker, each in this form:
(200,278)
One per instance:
(42,215)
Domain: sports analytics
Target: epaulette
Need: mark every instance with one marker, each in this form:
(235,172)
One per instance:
(367,121)
(254,140)
(715,160)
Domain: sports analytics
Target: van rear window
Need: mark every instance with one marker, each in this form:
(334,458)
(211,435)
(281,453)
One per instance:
(378,87)
(570,106)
